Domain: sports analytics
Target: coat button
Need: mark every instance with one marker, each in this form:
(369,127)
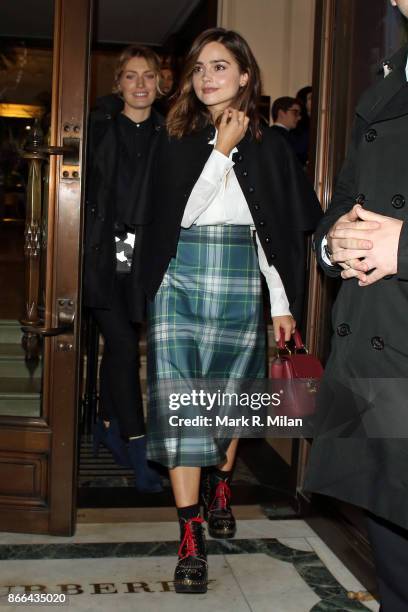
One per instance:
(262,223)
(371,135)
(93,210)
(240,158)
(267,239)
(360,199)
(257,207)
(251,189)
(398,201)
(343,330)
(273,256)
(377,343)
(244,173)
(96,247)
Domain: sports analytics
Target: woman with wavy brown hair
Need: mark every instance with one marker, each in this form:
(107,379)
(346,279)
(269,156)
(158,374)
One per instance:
(229,200)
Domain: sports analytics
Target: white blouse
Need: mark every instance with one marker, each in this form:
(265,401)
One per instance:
(217,199)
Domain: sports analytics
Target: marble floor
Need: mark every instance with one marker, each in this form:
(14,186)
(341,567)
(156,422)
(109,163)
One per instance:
(271,565)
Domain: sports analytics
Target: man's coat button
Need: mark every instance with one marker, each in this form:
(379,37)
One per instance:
(377,343)
(371,135)
(343,330)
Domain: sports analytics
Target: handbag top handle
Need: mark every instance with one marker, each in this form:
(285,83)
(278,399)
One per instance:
(297,338)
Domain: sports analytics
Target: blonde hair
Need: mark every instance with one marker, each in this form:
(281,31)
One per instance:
(128,53)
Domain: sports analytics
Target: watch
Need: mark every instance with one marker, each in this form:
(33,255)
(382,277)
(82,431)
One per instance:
(328,251)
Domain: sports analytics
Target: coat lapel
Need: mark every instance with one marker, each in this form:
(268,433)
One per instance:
(375,104)
(144,209)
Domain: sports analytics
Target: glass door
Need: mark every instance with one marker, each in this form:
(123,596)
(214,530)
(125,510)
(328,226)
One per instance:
(43,78)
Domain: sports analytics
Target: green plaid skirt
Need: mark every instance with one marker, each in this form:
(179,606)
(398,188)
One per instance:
(206,322)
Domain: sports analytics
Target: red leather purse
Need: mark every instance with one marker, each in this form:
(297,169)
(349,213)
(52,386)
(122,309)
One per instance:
(299,373)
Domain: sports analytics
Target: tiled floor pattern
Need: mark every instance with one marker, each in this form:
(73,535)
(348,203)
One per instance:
(279,566)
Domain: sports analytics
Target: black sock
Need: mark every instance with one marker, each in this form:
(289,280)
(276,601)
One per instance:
(188,512)
(217,475)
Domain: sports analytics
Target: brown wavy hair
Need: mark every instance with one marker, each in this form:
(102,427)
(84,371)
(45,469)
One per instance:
(188,114)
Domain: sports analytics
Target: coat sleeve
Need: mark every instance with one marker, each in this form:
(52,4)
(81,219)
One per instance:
(343,200)
(300,195)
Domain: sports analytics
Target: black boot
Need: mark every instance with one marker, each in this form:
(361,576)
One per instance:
(216,496)
(191,573)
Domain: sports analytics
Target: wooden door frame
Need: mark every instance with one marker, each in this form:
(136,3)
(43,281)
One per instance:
(42,451)
(328,149)
(65,275)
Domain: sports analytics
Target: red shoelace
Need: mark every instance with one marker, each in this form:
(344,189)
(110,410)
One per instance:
(221,497)
(189,542)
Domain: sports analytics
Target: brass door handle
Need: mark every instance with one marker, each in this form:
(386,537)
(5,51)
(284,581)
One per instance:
(46,331)
(55,150)
(65,318)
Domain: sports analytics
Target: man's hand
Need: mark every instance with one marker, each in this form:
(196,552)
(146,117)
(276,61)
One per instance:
(381,257)
(287,323)
(231,130)
(348,240)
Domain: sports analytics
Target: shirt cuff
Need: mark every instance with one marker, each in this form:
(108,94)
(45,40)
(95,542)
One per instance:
(217,167)
(279,303)
(402,272)
(323,253)
(277,295)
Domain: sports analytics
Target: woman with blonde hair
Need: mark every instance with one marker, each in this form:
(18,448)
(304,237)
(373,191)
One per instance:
(123,134)
(230,200)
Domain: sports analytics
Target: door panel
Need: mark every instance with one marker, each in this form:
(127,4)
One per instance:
(38,452)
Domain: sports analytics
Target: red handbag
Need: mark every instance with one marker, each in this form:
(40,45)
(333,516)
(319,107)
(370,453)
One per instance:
(299,374)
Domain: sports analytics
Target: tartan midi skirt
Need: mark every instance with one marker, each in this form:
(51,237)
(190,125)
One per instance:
(206,322)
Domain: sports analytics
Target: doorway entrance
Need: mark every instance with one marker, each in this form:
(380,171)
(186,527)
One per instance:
(45,445)
(43,132)
(261,474)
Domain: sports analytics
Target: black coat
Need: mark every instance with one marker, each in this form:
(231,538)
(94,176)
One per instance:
(279,195)
(370,339)
(100,252)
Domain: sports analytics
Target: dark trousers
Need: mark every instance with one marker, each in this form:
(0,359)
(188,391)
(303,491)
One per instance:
(390,548)
(120,394)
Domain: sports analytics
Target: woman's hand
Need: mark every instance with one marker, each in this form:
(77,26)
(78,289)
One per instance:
(231,130)
(285,322)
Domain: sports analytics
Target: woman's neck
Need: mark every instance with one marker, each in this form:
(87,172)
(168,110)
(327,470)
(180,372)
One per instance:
(137,115)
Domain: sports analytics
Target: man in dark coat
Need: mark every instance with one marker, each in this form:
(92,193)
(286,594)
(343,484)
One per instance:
(286,114)
(360,453)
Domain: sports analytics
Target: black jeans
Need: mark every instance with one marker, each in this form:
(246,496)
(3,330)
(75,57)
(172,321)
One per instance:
(390,548)
(120,393)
